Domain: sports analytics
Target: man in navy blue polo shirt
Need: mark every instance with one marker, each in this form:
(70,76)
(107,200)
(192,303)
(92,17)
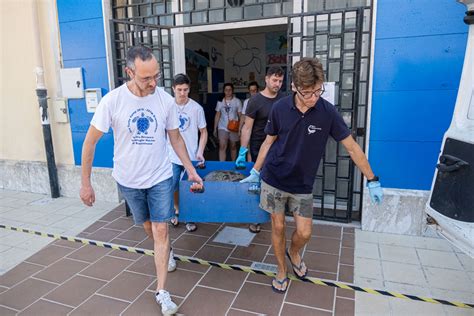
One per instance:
(297,132)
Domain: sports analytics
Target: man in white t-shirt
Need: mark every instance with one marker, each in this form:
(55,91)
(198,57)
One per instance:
(191,121)
(142,116)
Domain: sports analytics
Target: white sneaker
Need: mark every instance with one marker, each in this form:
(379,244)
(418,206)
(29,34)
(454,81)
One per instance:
(171,262)
(167,306)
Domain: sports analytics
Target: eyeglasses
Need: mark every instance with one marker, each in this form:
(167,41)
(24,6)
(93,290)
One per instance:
(148,79)
(309,95)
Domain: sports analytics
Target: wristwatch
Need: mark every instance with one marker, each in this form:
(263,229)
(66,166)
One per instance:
(375,178)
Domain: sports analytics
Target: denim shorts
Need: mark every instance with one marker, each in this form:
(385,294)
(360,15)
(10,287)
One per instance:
(152,204)
(177,172)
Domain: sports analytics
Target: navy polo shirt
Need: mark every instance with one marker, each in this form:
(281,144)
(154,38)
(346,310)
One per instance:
(293,159)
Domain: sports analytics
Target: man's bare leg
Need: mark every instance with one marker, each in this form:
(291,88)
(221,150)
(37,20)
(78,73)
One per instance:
(279,243)
(176,201)
(300,237)
(148,230)
(162,252)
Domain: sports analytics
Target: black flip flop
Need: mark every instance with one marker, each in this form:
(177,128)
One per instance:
(281,282)
(297,267)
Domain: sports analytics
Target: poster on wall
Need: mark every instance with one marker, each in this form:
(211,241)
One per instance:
(276,48)
(276,51)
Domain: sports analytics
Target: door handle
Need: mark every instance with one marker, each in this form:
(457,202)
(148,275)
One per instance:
(450,163)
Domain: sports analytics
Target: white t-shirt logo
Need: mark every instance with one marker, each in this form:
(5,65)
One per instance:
(184,122)
(312,129)
(143,124)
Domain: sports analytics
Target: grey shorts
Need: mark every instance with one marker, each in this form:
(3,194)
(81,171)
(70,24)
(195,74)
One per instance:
(225,135)
(277,201)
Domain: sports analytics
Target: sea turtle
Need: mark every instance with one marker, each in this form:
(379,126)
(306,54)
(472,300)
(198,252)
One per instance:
(143,123)
(224,175)
(245,56)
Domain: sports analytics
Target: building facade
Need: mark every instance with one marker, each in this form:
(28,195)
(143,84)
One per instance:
(395,66)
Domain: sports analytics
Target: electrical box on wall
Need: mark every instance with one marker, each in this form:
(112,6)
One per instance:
(93,97)
(59,109)
(72,83)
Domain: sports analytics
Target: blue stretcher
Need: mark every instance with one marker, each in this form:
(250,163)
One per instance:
(229,202)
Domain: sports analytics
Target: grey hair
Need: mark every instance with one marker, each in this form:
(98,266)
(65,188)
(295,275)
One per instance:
(142,52)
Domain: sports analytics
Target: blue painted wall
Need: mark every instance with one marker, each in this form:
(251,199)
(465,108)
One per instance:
(81,28)
(419,51)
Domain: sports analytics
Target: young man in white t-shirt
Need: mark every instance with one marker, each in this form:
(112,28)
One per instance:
(191,122)
(142,116)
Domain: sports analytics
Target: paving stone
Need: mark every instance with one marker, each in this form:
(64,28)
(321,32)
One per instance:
(325,245)
(308,294)
(193,305)
(344,307)
(439,259)
(49,255)
(229,280)
(401,254)
(89,253)
(75,291)
(25,293)
(43,307)
(327,231)
(106,268)
(258,298)
(100,305)
(19,273)
(291,309)
(180,282)
(127,286)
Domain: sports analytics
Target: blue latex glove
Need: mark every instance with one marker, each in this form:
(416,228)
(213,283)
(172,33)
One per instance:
(254,177)
(375,191)
(241,159)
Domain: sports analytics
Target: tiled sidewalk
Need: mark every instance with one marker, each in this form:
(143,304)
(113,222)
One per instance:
(39,212)
(70,278)
(427,267)
(76,279)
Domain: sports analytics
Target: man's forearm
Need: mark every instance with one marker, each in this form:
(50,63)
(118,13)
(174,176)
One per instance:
(179,148)
(361,161)
(86,164)
(245,136)
(262,154)
(202,141)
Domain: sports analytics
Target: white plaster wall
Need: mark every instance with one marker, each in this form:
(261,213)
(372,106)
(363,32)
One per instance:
(21,137)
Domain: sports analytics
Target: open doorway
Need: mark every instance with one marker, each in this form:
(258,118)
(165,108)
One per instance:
(238,56)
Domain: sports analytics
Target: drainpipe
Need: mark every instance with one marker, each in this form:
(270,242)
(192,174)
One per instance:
(42,95)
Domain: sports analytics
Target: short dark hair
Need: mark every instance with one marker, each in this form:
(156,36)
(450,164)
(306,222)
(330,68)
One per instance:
(275,70)
(139,51)
(181,79)
(253,83)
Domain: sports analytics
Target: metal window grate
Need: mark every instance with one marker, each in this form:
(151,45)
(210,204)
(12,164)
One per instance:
(126,34)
